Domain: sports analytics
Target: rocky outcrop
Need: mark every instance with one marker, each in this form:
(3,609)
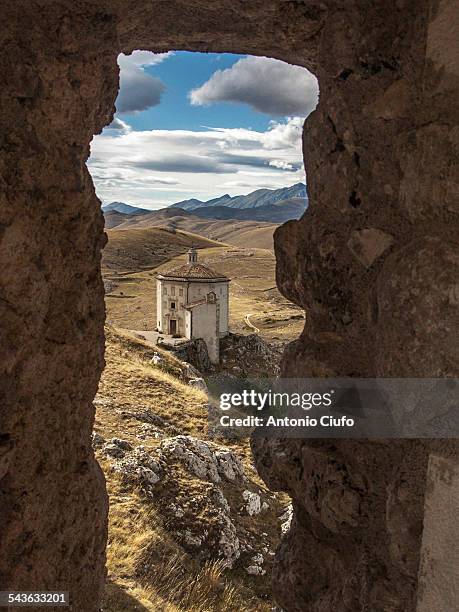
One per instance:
(372,262)
(195,353)
(203,459)
(201,491)
(359,515)
(250,355)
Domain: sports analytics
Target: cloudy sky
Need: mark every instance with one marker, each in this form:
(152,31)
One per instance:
(201,125)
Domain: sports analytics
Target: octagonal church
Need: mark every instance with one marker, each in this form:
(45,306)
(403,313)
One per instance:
(193,302)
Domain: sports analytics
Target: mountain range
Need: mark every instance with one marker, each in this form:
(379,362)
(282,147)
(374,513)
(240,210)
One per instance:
(265,205)
(243,221)
(255,199)
(125,209)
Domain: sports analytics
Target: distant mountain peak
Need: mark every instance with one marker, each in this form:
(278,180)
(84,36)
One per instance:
(254,199)
(126,209)
(295,195)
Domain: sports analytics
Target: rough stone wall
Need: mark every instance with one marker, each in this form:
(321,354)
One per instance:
(375,263)
(56,71)
(372,261)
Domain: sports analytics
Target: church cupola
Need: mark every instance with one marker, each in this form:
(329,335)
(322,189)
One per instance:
(192,256)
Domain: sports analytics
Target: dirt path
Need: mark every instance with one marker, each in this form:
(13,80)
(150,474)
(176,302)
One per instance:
(249,323)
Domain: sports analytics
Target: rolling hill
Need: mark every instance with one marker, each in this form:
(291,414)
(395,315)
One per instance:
(131,296)
(248,220)
(255,234)
(113,218)
(278,212)
(144,248)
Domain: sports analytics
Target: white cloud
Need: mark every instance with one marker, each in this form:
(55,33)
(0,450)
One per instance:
(118,126)
(138,89)
(282,165)
(268,85)
(158,167)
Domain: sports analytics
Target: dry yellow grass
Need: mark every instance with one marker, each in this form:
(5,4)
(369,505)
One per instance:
(132,304)
(147,570)
(131,383)
(254,234)
(244,234)
(139,249)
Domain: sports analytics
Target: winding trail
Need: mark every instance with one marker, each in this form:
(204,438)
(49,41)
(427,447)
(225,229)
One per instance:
(249,323)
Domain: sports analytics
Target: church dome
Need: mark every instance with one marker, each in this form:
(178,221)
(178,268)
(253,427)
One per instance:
(192,270)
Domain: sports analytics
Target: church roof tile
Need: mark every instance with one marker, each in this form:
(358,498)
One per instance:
(194,271)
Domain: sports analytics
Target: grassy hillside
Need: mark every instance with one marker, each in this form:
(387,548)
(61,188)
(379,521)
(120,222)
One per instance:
(239,233)
(256,234)
(145,248)
(113,218)
(150,569)
(277,212)
(131,304)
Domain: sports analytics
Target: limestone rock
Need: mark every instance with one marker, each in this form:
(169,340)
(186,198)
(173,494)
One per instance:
(192,540)
(195,353)
(253,502)
(112,450)
(256,569)
(203,459)
(216,538)
(141,467)
(229,542)
(229,466)
(250,355)
(177,511)
(97,440)
(116,448)
(190,371)
(123,444)
(286,519)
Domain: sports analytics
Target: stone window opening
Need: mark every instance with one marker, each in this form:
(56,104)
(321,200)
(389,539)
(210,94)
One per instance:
(390,86)
(174,326)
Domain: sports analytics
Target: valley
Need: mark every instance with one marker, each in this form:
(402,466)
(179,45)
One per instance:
(192,527)
(131,300)
(238,232)
(142,244)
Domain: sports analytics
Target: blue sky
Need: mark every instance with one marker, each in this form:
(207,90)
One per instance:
(182,72)
(201,125)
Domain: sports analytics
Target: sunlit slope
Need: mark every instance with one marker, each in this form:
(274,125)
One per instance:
(131,303)
(150,566)
(132,250)
(256,234)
